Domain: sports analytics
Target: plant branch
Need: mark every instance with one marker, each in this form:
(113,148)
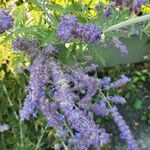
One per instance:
(39,141)
(9,100)
(128,23)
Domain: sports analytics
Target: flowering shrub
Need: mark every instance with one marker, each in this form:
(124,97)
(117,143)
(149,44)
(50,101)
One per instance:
(71,96)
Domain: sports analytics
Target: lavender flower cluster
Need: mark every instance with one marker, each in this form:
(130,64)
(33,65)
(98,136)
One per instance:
(26,46)
(59,95)
(101,109)
(133,5)
(6,21)
(120,46)
(66,97)
(69,27)
(107,84)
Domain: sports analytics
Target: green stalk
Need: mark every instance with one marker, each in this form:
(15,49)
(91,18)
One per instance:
(21,131)
(66,125)
(105,99)
(20,123)
(40,139)
(15,114)
(62,141)
(128,23)
(9,100)
(47,13)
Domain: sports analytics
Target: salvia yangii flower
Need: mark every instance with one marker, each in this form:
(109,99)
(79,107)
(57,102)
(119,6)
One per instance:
(120,3)
(133,5)
(89,33)
(90,134)
(50,50)
(116,99)
(39,76)
(51,92)
(136,6)
(105,81)
(119,83)
(6,21)
(125,132)
(90,83)
(77,119)
(53,119)
(107,84)
(65,27)
(26,46)
(100,108)
(91,68)
(69,27)
(120,46)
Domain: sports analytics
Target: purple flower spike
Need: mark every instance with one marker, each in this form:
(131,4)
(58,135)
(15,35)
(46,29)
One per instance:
(88,33)
(106,82)
(119,83)
(77,119)
(36,88)
(116,99)
(120,46)
(91,84)
(69,27)
(6,21)
(100,108)
(65,27)
(124,129)
(133,5)
(26,46)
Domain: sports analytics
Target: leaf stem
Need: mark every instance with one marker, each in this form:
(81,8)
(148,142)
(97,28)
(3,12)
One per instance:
(128,22)
(48,14)
(9,100)
(62,141)
(105,99)
(21,131)
(39,141)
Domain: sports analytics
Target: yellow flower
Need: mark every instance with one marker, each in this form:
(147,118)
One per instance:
(145,9)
